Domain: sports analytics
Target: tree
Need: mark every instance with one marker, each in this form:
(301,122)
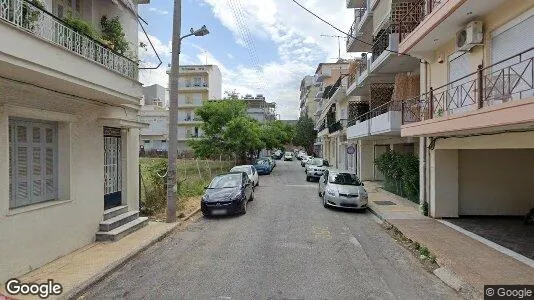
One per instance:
(242,137)
(305,134)
(276,134)
(231,95)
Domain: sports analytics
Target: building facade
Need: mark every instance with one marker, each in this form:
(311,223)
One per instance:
(259,109)
(69,130)
(308,90)
(381,78)
(197,83)
(474,115)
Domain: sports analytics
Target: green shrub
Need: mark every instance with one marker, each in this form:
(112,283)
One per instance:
(423,251)
(81,26)
(401,172)
(113,35)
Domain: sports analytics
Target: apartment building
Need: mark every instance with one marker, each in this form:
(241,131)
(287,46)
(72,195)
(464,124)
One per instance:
(155,113)
(380,78)
(259,109)
(476,111)
(197,83)
(69,131)
(308,90)
(328,77)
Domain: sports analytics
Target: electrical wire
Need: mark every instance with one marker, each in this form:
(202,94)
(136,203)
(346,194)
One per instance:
(341,31)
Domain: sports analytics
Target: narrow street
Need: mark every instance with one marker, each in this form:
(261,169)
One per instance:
(287,246)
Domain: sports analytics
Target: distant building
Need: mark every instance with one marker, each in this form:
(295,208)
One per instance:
(155,95)
(259,109)
(155,136)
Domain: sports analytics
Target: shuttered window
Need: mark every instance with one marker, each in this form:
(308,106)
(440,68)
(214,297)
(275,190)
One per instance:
(32,162)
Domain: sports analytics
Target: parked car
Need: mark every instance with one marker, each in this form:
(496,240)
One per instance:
(342,189)
(263,166)
(227,194)
(278,154)
(272,162)
(304,160)
(301,154)
(315,168)
(251,172)
(288,156)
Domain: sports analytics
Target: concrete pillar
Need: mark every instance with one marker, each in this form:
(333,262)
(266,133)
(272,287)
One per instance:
(365,166)
(421,150)
(444,185)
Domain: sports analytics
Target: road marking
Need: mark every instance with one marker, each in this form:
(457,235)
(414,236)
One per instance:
(355,242)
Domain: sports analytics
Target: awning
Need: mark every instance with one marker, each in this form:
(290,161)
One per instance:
(121,123)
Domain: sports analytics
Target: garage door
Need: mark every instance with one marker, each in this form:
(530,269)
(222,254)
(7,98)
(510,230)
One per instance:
(512,78)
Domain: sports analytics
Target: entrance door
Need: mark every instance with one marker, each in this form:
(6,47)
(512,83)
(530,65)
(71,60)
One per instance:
(112,167)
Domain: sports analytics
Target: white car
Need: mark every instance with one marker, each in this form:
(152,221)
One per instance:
(288,156)
(304,160)
(251,172)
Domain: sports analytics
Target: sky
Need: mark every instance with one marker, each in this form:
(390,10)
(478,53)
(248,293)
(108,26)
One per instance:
(261,46)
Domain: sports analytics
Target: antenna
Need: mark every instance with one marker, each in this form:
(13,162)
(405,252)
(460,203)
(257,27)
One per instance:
(338,42)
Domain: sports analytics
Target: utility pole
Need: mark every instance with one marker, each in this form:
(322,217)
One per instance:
(173,113)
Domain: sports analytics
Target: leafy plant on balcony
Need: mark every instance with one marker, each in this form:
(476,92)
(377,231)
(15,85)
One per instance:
(31,13)
(113,35)
(81,26)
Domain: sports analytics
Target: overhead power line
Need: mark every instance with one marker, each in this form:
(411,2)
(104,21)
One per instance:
(345,33)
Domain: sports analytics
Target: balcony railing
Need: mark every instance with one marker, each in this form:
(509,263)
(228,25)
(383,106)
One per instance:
(377,111)
(337,126)
(507,80)
(39,22)
(196,85)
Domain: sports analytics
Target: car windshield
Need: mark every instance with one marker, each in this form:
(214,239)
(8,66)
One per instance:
(344,179)
(289,153)
(226,181)
(316,162)
(262,162)
(242,169)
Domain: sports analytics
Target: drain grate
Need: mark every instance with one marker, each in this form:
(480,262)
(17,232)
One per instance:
(384,202)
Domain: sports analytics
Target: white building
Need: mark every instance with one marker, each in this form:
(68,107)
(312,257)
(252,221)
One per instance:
(197,83)
(259,109)
(155,113)
(68,130)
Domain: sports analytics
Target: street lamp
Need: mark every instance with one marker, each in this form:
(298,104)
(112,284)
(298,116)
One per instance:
(172,189)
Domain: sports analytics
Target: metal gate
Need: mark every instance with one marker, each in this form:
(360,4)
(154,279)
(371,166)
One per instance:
(112,167)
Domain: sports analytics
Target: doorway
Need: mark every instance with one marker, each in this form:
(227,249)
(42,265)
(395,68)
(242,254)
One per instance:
(112,167)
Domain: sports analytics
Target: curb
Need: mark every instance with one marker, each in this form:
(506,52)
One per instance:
(446,275)
(191,214)
(78,290)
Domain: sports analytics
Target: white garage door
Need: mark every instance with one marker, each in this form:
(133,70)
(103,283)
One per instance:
(513,77)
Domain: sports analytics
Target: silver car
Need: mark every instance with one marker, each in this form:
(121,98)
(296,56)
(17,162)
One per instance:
(342,189)
(315,167)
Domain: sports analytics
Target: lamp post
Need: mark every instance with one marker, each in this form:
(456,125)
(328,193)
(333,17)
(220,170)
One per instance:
(172,189)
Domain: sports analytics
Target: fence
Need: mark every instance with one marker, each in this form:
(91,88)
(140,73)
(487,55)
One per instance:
(192,176)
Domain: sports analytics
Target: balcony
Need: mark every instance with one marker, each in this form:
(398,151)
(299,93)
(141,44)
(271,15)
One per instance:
(194,70)
(364,78)
(385,58)
(440,21)
(188,86)
(188,120)
(337,127)
(382,120)
(355,3)
(499,96)
(38,47)
(360,38)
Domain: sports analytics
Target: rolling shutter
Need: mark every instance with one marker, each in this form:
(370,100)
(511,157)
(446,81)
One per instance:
(33,162)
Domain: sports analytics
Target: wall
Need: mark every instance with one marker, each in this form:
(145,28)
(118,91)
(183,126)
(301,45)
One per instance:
(381,14)
(215,83)
(496,182)
(443,183)
(36,234)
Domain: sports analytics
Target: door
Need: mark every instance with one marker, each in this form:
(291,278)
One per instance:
(112,167)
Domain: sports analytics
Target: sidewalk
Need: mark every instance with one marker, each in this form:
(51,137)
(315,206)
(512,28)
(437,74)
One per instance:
(81,268)
(473,263)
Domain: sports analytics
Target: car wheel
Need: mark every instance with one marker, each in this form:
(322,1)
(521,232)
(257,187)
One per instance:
(251,197)
(324,202)
(307,178)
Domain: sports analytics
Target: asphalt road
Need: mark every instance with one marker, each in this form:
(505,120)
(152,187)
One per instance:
(287,246)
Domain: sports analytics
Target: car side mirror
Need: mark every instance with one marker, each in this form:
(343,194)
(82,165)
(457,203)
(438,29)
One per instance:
(363,184)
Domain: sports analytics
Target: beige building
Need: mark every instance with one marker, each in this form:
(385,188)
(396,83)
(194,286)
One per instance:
(380,79)
(68,130)
(308,90)
(197,83)
(476,111)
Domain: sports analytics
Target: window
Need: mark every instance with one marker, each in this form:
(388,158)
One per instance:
(33,147)
(197,81)
(146,141)
(188,99)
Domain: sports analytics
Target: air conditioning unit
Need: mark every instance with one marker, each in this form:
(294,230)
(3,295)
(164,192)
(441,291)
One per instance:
(470,36)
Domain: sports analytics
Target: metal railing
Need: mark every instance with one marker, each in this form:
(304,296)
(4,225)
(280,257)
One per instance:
(39,22)
(377,111)
(337,126)
(358,15)
(506,80)
(409,21)
(381,42)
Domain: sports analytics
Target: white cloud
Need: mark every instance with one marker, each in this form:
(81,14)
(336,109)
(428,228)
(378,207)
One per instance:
(295,33)
(158,11)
